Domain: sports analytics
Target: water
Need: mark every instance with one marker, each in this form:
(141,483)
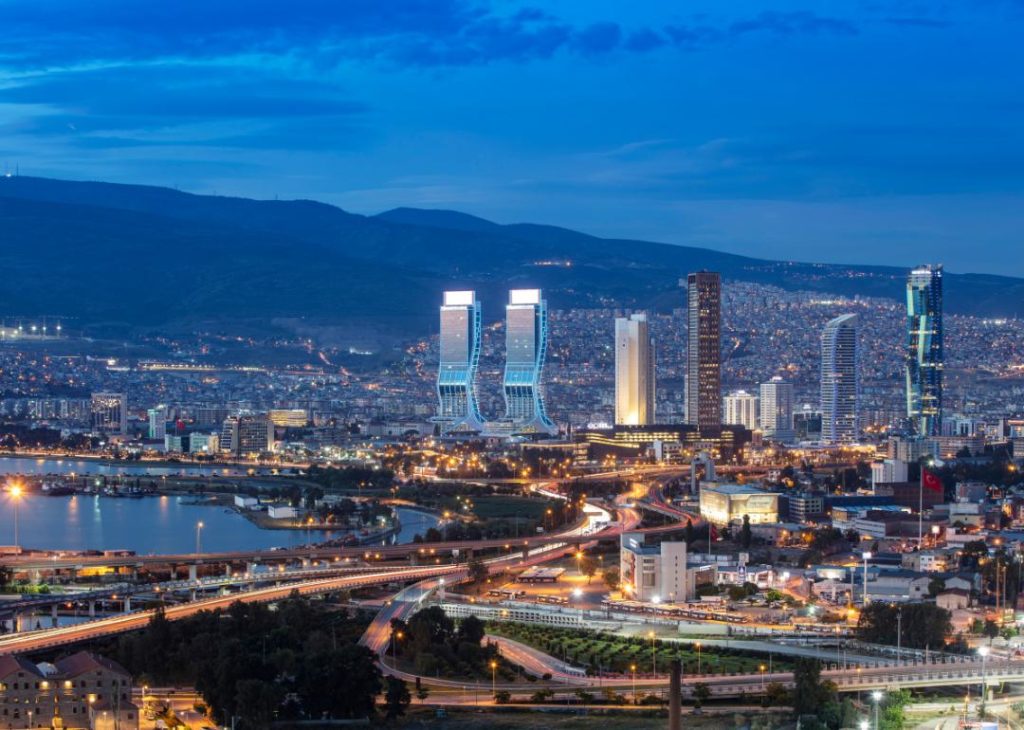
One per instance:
(165,524)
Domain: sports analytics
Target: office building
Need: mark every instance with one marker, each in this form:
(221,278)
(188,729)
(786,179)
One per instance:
(741,409)
(203,443)
(655,573)
(704,349)
(723,504)
(634,371)
(777,410)
(157,418)
(840,389)
(247,435)
(458,408)
(110,413)
(672,442)
(888,471)
(526,342)
(924,356)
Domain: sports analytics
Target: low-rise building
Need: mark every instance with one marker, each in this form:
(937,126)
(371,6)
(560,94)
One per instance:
(282,512)
(654,572)
(723,504)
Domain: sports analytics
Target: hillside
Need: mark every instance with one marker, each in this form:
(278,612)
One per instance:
(127,256)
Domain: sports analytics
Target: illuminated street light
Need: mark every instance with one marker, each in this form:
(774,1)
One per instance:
(16,493)
(867,557)
(983,652)
(199,529)
(876,696)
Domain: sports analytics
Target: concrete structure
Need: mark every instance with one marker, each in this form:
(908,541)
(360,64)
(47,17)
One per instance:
(248,435)
(723,504)
(289,417)
(282,512)
(244,501)
(157,418)
(526,345)
(888,471)
(741,408)
(840,387)
(458,409)
(110,413)
(777,409)
(634,372)
(79,691)
(654,572)
(704,350)
(924,357)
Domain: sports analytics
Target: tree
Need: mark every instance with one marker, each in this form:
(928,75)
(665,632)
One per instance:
(502,697)
(923,624)
(396,698)
(892,711)
(810,694)
(701,694)
(745,535)
(936,586)
(588,567)
(471,630)
(610,576)
(478,571)
(257,701)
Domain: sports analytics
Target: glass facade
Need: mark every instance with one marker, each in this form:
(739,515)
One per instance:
(840,388)
(459,358)
(924,357)
(526,334)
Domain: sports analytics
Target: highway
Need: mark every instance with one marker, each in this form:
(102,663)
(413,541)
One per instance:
(48,638)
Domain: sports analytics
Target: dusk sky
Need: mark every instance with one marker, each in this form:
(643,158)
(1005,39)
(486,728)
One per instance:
(863,132)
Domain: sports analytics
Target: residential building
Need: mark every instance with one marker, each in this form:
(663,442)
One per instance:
(157,418)
(634,371)
(888,471)
(777,410)
(110,413)
(840,389)
(247,435)
(741,408)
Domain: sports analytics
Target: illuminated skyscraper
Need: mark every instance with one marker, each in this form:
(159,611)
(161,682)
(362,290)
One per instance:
(704,349)
(526,343)
(777,410)
(110,413)
(458,410)
(924,358)
(634,372)
(840,389)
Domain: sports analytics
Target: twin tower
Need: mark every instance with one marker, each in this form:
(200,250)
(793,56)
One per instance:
(526,341)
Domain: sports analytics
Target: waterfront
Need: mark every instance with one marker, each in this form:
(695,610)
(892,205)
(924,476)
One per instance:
(164,524)
(29,466)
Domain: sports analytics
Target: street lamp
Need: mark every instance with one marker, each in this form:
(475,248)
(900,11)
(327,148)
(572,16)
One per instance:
(762,668)
(632,668)
(983,651)
(394,646)
(15,498)
(654,656)
(199,528)
(876,696)
(698,657)
(867,557)
(494,670)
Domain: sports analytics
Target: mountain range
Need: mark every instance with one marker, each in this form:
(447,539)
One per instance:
(130,257)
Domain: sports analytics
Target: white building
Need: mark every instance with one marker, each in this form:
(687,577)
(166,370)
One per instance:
(282,512)
(724,504)
(157,418)
(777,409)
(888,471)
(741,408)
(634,372)
(244,501)
(840,388)
(654,572)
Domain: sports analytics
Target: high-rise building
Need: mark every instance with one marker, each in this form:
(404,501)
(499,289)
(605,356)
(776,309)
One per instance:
(110,413)
(157,418)
(704,349)
(247,435)
(924,357)
(458,408)
(777,410)
(526,344)
(840,389)
(634,372)
(741,409)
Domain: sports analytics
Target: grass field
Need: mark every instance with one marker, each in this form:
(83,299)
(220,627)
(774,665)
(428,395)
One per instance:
(595,650)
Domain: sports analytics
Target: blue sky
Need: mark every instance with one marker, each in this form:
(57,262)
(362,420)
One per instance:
(866,132)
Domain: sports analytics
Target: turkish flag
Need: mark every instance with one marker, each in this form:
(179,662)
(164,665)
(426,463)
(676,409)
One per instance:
(930,481)
(714,533)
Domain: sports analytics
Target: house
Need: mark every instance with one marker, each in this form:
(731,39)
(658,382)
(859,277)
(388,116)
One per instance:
(77,692)
(282,512)
(953,600)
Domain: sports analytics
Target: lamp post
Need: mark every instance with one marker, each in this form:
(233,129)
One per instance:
(899,633)
(632,668)
(983,651)
(494,671)
(654,656)
(762,668)
(867,557)
(877,697)
(394,646)
(698,657)
(199,530)
(15,498)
